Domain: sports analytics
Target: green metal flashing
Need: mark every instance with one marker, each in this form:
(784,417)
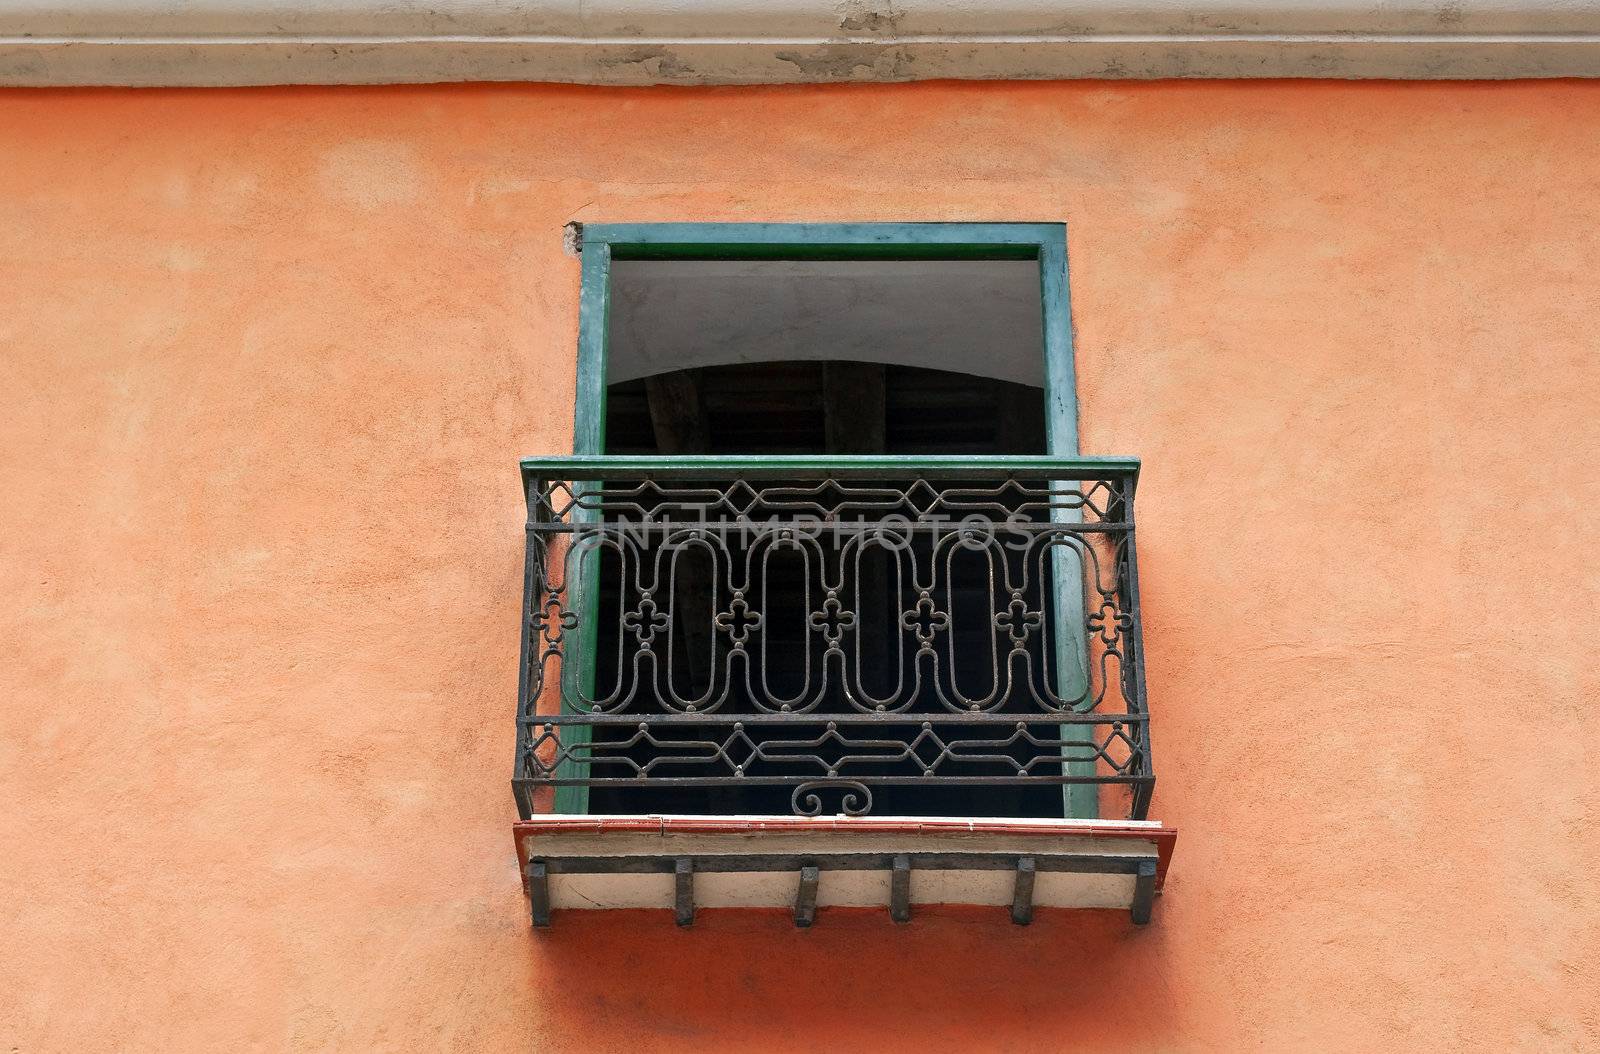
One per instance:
(803,241)
(1044,242)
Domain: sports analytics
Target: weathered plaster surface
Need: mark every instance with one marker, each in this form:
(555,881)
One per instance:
(269,358)
(634,42)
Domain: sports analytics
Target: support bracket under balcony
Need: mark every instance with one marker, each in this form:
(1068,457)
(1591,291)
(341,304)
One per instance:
(689,863)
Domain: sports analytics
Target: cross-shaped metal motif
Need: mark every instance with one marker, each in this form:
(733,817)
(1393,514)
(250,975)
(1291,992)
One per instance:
(925,619)
(1109,623)
(833,619)
(1017,620)
(646,622)
(552,621)
(739,621)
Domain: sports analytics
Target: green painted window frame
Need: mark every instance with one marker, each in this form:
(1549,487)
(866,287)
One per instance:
(601,243)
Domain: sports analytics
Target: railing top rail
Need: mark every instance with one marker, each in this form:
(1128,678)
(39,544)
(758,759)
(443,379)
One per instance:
(869,466)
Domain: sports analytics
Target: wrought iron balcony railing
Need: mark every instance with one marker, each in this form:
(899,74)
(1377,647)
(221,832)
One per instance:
(907,636)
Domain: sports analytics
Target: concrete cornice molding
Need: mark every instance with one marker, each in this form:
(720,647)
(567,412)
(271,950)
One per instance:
(247,42)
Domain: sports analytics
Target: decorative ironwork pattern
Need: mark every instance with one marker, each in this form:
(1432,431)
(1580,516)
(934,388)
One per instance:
(831,629)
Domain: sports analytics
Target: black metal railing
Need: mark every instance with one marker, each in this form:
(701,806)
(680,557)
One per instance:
(898,635)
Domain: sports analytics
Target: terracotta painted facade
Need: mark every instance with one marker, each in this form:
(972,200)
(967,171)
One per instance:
(269,358)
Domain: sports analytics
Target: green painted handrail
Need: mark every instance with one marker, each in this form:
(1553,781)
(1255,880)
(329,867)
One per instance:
(608,466)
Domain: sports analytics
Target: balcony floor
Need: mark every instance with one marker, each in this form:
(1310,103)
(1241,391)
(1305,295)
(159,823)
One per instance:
(681,863)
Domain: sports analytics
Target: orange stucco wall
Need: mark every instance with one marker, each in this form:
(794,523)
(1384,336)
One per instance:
(268,359)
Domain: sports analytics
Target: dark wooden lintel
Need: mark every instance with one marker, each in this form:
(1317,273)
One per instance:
(1022,894)
(1144,892)
(538,878)
(683,872)
(805,898)
(900,889)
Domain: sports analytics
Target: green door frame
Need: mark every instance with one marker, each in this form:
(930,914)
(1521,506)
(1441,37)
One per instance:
(1044,242)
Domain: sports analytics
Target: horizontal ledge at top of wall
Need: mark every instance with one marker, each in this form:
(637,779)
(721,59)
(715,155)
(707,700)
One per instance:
(636,42)
(782,20)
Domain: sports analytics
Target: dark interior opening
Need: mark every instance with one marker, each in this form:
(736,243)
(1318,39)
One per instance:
(814,407)
(785,408)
